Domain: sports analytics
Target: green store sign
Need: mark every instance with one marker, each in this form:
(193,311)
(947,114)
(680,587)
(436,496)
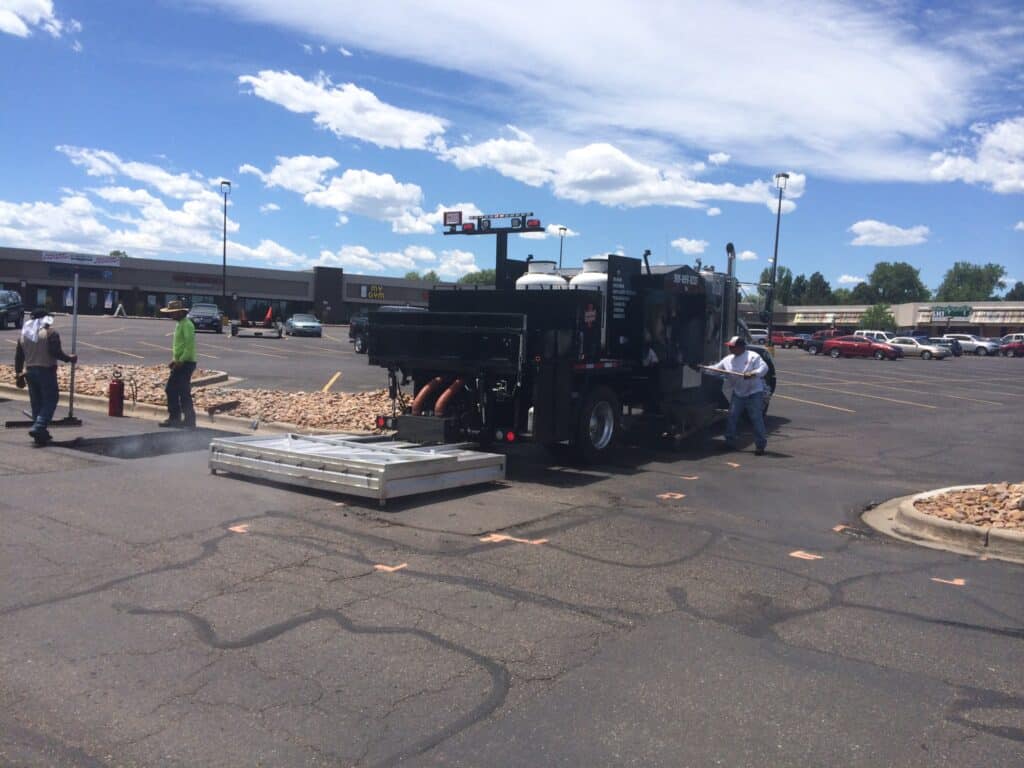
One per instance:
(944,313)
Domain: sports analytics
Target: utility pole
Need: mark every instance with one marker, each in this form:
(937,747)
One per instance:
(780,182)
(225,188)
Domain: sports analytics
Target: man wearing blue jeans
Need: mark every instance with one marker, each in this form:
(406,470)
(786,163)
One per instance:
(745,370)
(181,412)
(35,364)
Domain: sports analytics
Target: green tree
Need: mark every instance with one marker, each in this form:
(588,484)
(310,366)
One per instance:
(863,293)
(431,277)
(841,296)
(480,277)
(783,284)
(1016,293)
(413,275)
(971,282)
(119,254)
(798,291)
(819,292)
(877,317)
(897,282)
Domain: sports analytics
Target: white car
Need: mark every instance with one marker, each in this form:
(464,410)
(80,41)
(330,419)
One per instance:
(911,347)
(758,335)
(975,344)
(881,336)
(1011,337)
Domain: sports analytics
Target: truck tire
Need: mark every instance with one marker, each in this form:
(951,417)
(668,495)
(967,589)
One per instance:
(599,427)
(813,349)
(360,345)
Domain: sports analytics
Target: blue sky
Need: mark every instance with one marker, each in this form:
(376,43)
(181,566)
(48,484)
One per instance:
(346,128)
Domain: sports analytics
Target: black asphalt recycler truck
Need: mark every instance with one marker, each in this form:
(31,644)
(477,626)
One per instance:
(569,364)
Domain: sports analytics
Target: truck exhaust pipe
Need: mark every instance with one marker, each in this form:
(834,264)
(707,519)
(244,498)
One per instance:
(424,395)
(446,397)
(730,252)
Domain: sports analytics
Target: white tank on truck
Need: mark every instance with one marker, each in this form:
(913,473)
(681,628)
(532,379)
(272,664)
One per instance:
(541,276)
(594,276)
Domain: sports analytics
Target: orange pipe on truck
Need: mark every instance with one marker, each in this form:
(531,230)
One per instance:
(446,398)
(423,396)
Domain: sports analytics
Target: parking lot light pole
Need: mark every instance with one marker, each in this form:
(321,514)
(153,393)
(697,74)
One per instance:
(780,182)
(225,188)
(561,242)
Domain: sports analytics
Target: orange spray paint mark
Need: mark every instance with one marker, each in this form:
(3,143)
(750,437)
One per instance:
(497,538)
(390,568)
(801,555)
(733,464)
(243,528)
(951,582)
(671,495)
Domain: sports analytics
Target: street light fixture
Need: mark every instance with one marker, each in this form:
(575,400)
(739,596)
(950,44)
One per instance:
(780,183)
(561,243)
(225,188)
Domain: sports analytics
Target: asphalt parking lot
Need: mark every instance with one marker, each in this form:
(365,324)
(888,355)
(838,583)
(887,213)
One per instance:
(686,608)
(293,363)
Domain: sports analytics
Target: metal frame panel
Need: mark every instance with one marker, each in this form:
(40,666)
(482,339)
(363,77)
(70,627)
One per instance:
(368,466)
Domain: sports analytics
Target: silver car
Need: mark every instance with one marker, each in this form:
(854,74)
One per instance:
(974,344)
(911,347)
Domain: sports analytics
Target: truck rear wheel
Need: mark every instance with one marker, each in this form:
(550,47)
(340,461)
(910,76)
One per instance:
(597,433)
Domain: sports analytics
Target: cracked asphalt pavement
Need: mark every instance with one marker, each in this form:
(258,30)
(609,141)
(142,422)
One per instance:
(684,608)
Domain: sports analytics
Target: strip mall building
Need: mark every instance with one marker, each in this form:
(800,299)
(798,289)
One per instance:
(45,278)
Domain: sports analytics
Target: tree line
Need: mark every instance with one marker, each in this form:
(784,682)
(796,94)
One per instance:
(480,277)
(893,283)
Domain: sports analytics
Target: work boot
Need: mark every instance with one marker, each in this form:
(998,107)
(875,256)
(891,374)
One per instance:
(170,423)
(759,451)
(41,436)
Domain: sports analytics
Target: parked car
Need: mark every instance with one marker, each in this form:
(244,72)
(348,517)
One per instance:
(206,317)
(883,336)
(1012,349)
(952,344)
(1011,337)
(12,312)
(858,346)
(818,338)
(303,325)
(974,344)
(358,325)
(784,339)
(758,335)
(802,339)
(917,348)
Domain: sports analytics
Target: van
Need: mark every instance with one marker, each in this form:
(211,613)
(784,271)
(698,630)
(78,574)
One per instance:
(883,336)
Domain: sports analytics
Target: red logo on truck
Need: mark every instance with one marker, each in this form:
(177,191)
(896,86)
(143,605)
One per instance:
(589,315)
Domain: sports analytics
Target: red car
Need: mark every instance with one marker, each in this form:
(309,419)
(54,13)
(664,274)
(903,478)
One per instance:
(785,339)
(1013,349)
(858,346)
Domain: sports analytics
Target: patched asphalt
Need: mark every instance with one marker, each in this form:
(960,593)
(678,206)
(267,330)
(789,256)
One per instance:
(677,608)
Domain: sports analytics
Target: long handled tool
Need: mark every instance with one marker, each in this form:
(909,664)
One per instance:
(722,370)
(71,420)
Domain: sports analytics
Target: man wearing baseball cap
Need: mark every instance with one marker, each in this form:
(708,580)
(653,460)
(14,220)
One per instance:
(745,370)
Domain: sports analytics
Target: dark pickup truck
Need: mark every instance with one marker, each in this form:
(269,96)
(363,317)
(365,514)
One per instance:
(359,325)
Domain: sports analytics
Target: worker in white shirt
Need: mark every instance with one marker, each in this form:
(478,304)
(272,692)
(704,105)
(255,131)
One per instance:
(746,371)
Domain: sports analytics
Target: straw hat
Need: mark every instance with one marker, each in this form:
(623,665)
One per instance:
(174,305)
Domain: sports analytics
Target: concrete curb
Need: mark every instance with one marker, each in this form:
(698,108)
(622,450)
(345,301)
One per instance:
(898,518)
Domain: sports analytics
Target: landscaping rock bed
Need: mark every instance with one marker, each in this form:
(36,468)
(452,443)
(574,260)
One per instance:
(341,411)
(999,505)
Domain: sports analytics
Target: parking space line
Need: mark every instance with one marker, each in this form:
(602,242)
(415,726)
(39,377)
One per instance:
(110,330)
(834,380)
(329,384)
(157,346)
(108,349)
(977,385)
(862,394)
(247,351)
(813,402)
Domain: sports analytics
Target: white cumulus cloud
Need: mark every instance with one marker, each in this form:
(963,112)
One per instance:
(20,17)
(997,161)
(449,264)
(347,110)
(719,158)
(850,280)
(747,256)
(1019,226)
(878,233)
(301,173)
(690,247)
(551,230)
(714,211)
(269,208)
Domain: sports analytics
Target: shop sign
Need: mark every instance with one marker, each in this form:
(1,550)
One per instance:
(372,292)
(82,259)
(949,312)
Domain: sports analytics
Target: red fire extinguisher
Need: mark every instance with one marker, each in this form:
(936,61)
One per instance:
(115,395)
